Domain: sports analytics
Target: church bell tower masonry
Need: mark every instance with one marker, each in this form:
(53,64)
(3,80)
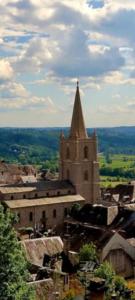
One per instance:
(78,156)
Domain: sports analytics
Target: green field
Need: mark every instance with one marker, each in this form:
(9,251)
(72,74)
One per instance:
(116,169)
(40,147)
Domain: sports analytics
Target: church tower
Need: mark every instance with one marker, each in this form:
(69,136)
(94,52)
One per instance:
(78,156)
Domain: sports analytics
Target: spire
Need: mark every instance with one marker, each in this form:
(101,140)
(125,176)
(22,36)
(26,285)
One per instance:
(77,125)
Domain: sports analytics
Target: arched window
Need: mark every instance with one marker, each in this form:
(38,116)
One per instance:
(47,194)
(68,153)
(12,197)
(43,214)
(30,216)
(24,196)
(65,212)
(86,176)
(54,213)
(58,193)
(36,195)
(86,152)
(68,174)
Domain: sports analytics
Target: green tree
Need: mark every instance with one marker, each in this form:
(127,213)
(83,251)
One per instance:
(120,283)
(75,210)
(13,266)
(88,252)
(108,158)
(106,272)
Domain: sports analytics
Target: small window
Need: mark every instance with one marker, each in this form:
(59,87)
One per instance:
(86,176)
(67,153)
(54,213)
(19,217)
(31,216)
(36,195)
(24,196)
(58,193)
(65,212)
(12,197)
(43,214)
(69,192)
(86,152)
(68,175)
(47,194)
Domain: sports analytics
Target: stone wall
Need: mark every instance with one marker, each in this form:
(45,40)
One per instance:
(36,194)
(37,214)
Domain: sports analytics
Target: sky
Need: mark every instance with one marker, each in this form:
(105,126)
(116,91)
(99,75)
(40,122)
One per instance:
(46,46)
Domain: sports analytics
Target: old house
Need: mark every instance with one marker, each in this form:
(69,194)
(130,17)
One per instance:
(36,249)
(45,265)
(120,253)
(13,173)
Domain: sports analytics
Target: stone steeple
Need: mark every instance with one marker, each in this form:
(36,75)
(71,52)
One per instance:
(78,156)
(78,129)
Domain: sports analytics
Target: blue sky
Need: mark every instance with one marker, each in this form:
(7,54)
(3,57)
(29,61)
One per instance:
(45,46)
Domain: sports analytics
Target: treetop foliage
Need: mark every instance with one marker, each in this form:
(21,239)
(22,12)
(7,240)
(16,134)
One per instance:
(88,252)
(13,265)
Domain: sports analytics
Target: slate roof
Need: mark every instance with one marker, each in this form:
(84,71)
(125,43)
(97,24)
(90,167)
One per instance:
(94,214)
(13,204)
(36,248)
(38,186)
(123,190)
(44,289)
(16,189)
(42,185)
(54,184)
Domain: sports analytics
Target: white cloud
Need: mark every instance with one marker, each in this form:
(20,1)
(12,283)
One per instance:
(54,42)
(38,104)
(128,108)
(116,96)
(13,90)
(14,96)
(117,78)
(113,110)
(6,71)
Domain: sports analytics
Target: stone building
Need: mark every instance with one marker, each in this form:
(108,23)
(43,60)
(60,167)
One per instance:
(48,202)
(48,212)
(78,156)
(15,173)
